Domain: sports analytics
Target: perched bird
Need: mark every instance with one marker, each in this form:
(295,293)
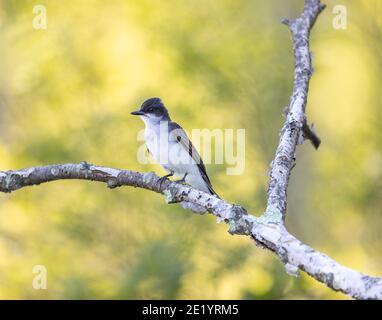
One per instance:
(170,147)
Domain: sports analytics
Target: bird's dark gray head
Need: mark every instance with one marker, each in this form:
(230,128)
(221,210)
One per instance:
(153,109)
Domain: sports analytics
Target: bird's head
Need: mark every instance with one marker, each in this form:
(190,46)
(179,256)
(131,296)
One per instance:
(153,109)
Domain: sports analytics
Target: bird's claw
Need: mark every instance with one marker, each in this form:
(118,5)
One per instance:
(162,179)
(183,180)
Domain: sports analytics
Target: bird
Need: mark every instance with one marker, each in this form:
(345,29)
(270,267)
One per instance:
(170,146)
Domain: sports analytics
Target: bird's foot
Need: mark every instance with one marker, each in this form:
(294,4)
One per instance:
(183,180)
(162,179)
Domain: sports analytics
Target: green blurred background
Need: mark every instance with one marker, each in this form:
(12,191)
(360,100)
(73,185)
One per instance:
(65,96)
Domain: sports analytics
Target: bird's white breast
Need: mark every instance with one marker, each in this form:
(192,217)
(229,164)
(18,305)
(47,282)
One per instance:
(152,139)
(172,156)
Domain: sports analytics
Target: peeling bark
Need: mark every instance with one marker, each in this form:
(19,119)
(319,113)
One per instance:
(268,230)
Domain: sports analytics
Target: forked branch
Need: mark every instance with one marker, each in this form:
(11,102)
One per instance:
(268,230)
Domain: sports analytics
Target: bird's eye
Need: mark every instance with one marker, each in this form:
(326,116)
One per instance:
(150,109)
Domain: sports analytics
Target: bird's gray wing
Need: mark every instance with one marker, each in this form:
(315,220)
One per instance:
(177,133)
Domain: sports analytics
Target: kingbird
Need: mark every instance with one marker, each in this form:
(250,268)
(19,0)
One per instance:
(170,146)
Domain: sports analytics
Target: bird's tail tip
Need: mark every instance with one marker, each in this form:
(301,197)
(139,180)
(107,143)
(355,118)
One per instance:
(212,192)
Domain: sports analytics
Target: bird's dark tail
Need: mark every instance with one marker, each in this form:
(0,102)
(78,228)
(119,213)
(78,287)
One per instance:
(212,191)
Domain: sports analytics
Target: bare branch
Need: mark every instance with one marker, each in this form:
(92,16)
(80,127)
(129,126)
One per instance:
(290,134)
(267,231)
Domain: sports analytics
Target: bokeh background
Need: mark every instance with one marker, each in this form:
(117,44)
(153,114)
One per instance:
(65,96)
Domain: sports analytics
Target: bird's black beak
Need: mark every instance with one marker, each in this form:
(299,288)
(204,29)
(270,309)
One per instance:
(137,113)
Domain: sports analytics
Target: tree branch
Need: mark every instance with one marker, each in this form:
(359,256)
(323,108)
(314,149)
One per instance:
(309,133)
(290,134)
(267,230)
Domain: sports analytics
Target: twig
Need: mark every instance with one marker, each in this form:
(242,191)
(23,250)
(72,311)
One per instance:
(309,133)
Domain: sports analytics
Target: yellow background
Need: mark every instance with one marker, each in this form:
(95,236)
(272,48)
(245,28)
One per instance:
(66,94)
